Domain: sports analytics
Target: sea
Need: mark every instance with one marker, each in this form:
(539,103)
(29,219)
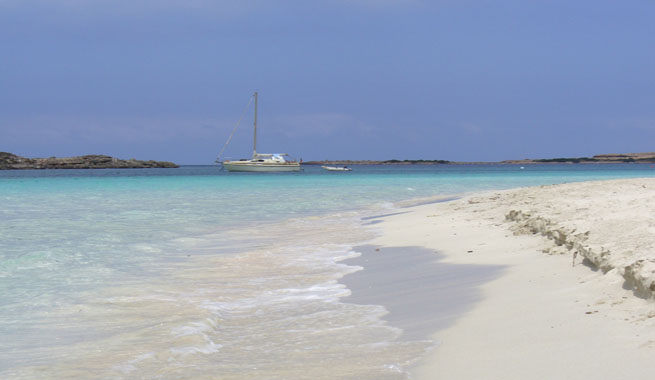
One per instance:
(197,273)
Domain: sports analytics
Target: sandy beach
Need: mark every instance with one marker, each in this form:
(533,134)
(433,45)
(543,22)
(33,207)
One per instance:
(567,292)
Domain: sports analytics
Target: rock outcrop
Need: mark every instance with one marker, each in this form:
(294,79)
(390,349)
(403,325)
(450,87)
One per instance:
(9,161)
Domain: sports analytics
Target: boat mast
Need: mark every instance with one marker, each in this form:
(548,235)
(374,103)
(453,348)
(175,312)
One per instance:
(254,145)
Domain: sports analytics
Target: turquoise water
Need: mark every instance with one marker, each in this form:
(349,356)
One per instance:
(194,272)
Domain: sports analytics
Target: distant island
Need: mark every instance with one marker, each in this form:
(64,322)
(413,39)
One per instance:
(9,161)
(615,158)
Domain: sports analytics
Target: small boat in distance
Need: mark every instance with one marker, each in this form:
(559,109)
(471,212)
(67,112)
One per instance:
(337,168)
(261,162)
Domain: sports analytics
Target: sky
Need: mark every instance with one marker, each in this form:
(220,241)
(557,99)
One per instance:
(459,80)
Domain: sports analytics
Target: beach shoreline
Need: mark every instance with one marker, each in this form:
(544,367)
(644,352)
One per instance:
(198,282)
(574,298)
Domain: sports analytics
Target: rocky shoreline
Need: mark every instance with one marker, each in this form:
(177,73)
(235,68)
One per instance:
(9,161)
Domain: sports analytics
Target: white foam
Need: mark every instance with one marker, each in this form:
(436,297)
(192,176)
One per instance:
(130,365)
(194,328)
(209,348)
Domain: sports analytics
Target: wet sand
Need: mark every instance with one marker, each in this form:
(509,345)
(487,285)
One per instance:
(421,293)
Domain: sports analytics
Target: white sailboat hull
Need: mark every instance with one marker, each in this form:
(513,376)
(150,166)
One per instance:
(250,166)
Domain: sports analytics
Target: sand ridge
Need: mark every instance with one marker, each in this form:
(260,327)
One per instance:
(609,223)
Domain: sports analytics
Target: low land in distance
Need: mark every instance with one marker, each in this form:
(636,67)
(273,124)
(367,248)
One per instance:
(9,161)
(614,158)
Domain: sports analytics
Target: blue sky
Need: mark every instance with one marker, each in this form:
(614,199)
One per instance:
(338,79)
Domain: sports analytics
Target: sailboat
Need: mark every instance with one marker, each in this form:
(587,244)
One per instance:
(262,162)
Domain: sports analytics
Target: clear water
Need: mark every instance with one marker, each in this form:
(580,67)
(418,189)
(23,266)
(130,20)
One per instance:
(198,273)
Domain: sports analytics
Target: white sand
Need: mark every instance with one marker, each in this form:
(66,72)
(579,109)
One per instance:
(544,318)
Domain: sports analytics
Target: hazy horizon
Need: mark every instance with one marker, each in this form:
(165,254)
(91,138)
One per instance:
(376,160)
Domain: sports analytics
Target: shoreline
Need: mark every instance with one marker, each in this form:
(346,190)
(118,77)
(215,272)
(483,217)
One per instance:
(281,297)
(550,313)
(414,290)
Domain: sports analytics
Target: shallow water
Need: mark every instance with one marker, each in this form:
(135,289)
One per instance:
(198,273)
